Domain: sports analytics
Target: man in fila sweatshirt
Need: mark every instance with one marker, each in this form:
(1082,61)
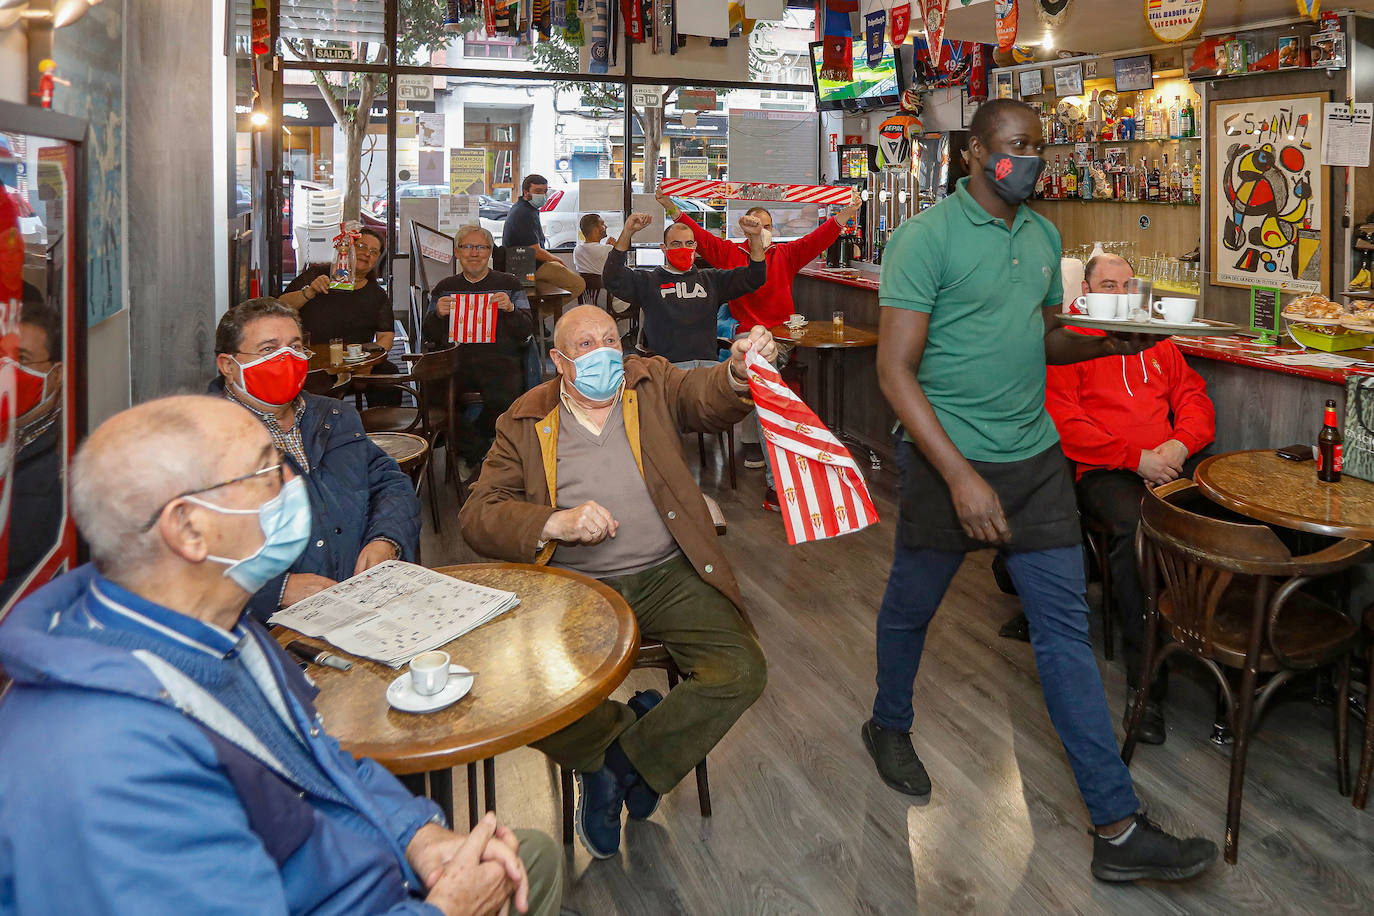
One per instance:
(680,300)
(1128,422)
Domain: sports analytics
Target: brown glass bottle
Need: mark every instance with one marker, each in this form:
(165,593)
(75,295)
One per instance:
(1329,443)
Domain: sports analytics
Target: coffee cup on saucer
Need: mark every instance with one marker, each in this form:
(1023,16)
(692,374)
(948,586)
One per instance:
(1176,310)
(355,351)
(429,672)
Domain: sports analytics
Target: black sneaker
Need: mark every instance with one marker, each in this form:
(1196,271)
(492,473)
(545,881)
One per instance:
(640,800)
(753,455)
(600,796)
(1016,628)
(896,759)
(1151,729)
(1151,854)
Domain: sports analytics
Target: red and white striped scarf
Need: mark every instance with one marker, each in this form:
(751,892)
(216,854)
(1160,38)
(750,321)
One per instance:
(820,489)
(473,318)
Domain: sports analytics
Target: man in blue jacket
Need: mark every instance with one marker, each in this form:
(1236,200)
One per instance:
(364,507)
(163,755)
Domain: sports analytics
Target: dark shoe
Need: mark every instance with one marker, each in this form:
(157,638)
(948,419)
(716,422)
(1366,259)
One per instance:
(1151,854)
(1001,576)
(897,762)
(1016,628)
(1151,729)
(640,800)
(600,796)
(753,455)
(770,500)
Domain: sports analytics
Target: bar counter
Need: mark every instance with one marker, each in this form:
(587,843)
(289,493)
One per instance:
(1260,403)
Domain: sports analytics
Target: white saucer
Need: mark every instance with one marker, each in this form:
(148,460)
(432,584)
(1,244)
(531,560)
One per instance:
(401,695)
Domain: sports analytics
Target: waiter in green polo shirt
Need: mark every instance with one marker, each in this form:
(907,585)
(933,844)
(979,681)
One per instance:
(968,291)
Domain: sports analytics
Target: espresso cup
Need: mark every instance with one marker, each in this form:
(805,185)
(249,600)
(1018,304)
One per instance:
(429,672)
(796,318)
(355,351)
(1176,310)
(1099,305)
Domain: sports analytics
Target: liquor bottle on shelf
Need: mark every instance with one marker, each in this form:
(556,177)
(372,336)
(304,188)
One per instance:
(1330,444)
(1085,182)
(1070,187)
(1175,119)
(1142,181)
(1187,125)
(1152,192)
(1186,179)
(1175,180)
(1197,179)
(1052,181)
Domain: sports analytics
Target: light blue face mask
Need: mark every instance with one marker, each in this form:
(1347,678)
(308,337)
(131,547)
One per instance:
(538,200)
(599,373)
(285,522)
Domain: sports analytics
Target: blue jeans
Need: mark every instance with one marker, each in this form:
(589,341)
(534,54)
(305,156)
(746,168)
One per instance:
(1051,586)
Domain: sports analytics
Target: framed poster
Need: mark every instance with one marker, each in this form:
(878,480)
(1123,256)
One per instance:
(1068,80)
(43,252)
(1003,81)
(1032,82)
(1268,222)
(1134,74)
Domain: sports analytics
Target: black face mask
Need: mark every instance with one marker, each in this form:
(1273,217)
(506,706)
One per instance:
(1013,177)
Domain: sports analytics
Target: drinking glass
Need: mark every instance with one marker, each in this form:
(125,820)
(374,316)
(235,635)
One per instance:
(1139,298)
(837,322)
(336,351)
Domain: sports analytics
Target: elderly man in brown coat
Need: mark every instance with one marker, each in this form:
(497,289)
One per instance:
(587,472)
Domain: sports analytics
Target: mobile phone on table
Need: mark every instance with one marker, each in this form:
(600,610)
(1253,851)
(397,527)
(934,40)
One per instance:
(1297,452)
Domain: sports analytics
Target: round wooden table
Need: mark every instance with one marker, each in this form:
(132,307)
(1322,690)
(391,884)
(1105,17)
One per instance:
(822,337)
(372,354)
(1261,485)
(408,449)
(541,666)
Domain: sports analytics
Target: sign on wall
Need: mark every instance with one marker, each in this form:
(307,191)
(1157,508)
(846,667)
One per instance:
(1269,223)
(467,171)
(413,88)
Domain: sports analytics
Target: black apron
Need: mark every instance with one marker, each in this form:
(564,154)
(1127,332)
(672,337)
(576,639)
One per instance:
(1037,496)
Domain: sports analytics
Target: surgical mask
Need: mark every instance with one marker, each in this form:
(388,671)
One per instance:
(766,236)
(599,373)
(30,388)
(538,200)
(285,523)
(681,259)
(276,378)
(1013,177)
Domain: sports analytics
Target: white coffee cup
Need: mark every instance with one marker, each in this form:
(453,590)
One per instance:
(1099,305)
(355,351)
(429,672)
(796,319)
(1176,310)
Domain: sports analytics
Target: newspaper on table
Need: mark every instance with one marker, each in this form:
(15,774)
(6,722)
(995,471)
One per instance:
(395,611)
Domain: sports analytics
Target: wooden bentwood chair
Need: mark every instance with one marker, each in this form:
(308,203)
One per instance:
(1228,594)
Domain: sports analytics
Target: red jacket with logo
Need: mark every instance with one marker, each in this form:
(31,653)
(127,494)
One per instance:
(1109,410)
(772,303)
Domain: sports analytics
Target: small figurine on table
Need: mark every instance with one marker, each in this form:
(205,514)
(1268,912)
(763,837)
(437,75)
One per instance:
(48,68)
(1128,124)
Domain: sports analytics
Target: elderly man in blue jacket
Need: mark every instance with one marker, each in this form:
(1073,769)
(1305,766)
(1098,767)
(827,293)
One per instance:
(162,755)
(365,510)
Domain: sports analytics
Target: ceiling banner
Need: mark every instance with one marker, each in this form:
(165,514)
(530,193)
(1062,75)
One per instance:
(1007,15)
(1173,20)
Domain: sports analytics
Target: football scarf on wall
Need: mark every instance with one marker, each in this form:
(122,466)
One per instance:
(473,319)
(933,22)
(634,20)
(875,31)
(837,50)
(820,490)
(1052,12)
(599,34)
(705,189)
(978,70)
(900,17)
(489,17)
(572,26)
(1007,15)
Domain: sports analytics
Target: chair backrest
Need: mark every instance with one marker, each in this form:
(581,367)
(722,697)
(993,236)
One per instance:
(432,252)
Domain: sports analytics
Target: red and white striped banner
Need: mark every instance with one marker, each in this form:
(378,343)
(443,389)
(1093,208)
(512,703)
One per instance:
(820,489)
(472,318)
(701,189)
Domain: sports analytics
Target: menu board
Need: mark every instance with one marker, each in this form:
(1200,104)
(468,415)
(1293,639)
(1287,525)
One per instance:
(1264,309)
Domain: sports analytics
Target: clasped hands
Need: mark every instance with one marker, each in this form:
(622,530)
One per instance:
(1163,463)
(472,875)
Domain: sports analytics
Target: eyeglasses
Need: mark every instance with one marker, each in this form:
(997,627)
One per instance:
(278,469)
(474,248)
(367,249)
(268,350)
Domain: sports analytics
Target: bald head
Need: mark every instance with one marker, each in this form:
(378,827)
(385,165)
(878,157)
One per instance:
(1107,273)
(586,322)
(139,459)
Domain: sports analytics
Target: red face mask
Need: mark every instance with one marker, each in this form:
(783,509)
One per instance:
(276,378)
(29,385)
(681,258)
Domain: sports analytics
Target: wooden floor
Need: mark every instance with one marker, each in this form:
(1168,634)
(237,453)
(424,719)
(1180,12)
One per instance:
(803,825)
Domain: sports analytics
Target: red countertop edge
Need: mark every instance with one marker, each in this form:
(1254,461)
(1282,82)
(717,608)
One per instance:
(829,275)
(1243,351)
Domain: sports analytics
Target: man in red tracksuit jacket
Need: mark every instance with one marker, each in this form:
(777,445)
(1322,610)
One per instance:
(771,304)
(1128,422)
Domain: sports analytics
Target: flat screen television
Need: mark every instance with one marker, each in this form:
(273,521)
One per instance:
(871,87)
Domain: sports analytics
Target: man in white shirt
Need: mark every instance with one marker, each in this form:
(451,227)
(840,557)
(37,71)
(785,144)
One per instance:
(589,257)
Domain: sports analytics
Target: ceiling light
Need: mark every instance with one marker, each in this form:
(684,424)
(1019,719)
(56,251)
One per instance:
(1048,41)
(258,118)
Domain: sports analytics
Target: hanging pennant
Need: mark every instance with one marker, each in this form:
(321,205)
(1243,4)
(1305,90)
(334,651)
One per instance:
(933,22)
(900,17)
(1173,20)
(1007,16)
(1052,12)
(979,59)
(875,32)
(837,48)
(1310,8)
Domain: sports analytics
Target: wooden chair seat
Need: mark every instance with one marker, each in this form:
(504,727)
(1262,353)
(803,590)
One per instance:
(400,419)
(1308,631)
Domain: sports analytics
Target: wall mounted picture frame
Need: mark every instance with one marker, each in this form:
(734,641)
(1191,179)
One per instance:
(968,107)
(1274,230)
(1068,80)
(1134,74)
(1032,82)
(1003,84)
